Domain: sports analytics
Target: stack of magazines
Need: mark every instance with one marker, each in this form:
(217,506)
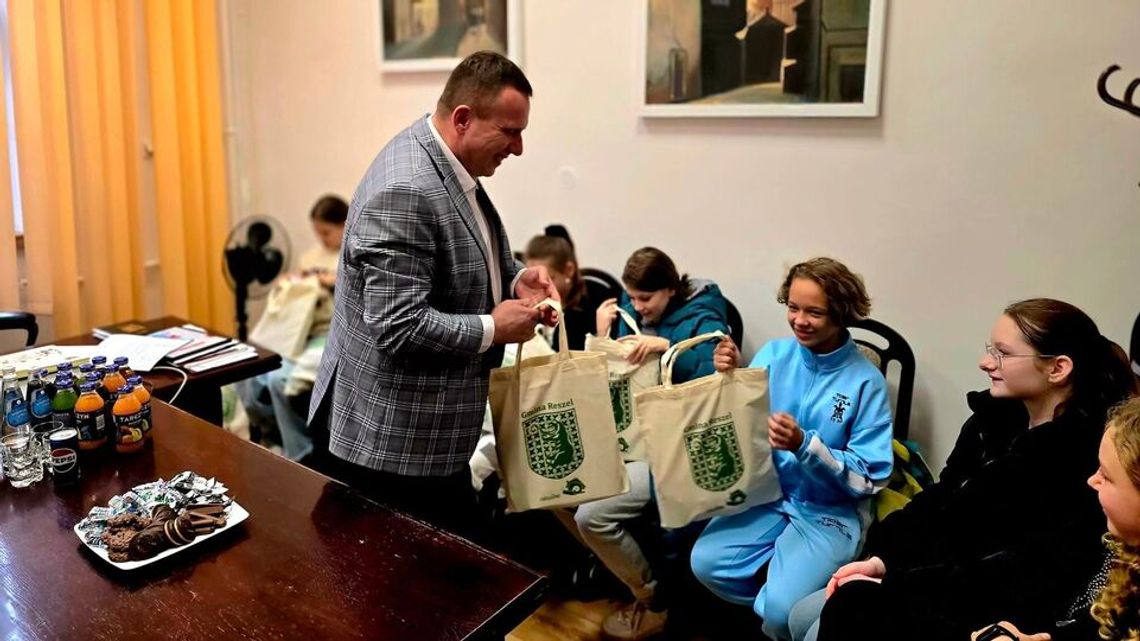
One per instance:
(200,351)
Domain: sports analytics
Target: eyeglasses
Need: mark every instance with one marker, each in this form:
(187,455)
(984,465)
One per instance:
(997,355)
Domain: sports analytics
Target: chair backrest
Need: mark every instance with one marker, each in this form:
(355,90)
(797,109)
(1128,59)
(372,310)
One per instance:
(600,284)
(1134,347)
(896,349)
(21,321)
(735,323)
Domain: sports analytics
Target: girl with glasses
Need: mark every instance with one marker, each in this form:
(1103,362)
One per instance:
(1010,527)
(1109,603)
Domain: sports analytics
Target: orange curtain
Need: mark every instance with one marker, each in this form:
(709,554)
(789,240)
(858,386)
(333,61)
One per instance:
(79,105)
(43,141)
(9,270)
(186,110)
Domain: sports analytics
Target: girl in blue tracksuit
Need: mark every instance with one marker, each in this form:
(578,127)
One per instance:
(830,432)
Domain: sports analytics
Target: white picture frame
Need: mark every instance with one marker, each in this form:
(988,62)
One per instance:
(686,102)
(439,61)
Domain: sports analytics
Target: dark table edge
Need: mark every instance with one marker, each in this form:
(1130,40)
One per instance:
(504,620)
(501,623)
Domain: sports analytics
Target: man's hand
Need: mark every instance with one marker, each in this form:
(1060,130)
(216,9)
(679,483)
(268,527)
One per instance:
(535,284)
(784,433)
(872,569)
(1021,636)
(726,356)
(515,321)
(645,345)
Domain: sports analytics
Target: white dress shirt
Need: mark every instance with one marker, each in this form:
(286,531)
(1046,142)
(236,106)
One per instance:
(490,240)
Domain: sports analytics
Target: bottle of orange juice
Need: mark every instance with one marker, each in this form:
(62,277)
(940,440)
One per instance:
(123,363)
(143,395)
(113,380)
(128,421)
(89,418)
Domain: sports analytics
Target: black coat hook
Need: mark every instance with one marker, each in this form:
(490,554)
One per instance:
(1126,104)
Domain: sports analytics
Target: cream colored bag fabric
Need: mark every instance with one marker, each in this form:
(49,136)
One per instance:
(554,429)
(707,441)
(288,317)
(626,379)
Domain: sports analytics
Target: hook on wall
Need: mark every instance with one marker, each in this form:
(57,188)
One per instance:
(1124,103)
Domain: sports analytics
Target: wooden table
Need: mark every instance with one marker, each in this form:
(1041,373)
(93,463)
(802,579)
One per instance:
(202,395)
(315,560)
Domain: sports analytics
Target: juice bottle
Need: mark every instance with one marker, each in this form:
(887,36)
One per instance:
(100,365)
(63,370)
(63,403)
(90,418)
(84,370)
(113,380)
(123,363)
(143,395)
(128,422)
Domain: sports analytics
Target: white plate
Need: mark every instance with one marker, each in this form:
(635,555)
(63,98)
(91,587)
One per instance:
(234,514)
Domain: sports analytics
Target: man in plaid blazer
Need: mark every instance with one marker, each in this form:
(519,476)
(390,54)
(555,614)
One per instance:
(424,301)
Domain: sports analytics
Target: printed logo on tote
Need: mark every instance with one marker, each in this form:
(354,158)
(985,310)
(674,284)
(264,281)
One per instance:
(553,440)
(714,453)
(620,399)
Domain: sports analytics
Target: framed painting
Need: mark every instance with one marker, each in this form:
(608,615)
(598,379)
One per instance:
(774,58)
(434,35)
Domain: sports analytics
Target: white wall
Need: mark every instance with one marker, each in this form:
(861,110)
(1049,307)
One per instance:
(994,172)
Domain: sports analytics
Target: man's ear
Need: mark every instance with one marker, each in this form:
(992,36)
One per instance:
(461,118)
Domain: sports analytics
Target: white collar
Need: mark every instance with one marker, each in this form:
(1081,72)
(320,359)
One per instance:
(466,182)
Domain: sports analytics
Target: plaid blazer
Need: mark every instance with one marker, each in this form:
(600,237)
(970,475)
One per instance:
(402,366)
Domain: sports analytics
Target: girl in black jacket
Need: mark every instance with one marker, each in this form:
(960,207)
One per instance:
(1109,603)
(1010,527)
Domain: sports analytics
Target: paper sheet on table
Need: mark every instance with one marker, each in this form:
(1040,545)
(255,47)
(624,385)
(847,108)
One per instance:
(144,351)
(46,357)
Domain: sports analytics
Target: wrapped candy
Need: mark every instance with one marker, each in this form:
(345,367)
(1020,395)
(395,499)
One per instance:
(157,516)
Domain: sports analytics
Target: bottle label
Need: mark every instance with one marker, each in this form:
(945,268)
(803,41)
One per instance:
(67,419)
(129,428)
(91,425)
(63,460)
(10,398)
(18,415)
(145,417)
(41,405)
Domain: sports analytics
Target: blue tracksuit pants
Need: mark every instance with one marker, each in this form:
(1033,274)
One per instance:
(802,543)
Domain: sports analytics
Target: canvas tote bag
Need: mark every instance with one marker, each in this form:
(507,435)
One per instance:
(554,429)
(707,441)
(626,379)
(288,317)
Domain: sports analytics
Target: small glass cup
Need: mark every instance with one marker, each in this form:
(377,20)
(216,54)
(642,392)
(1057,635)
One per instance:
(41,429)
(22,463)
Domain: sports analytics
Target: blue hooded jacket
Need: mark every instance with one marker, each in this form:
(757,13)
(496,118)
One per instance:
(704,311)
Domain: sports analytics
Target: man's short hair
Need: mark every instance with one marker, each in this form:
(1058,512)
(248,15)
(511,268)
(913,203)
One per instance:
(479,79)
